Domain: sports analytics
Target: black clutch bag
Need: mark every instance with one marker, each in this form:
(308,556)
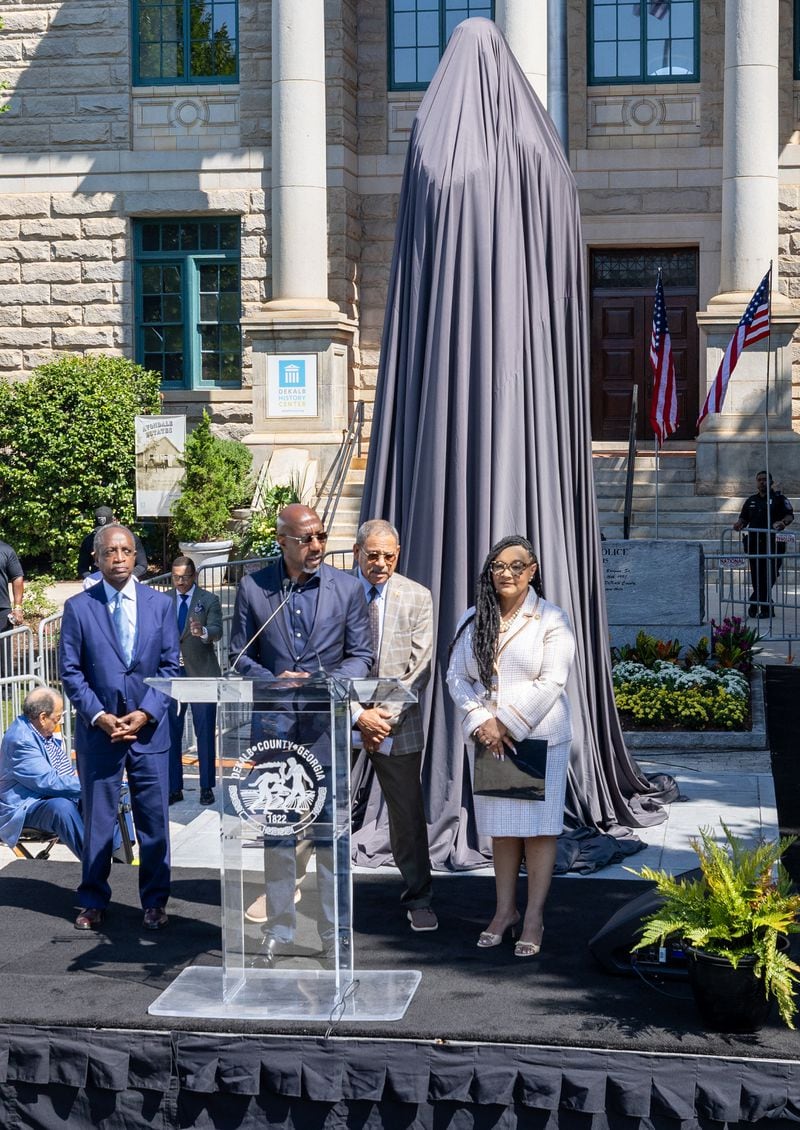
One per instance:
(519,776)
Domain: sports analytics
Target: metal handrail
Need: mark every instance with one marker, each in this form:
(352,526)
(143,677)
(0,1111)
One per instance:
(337,472)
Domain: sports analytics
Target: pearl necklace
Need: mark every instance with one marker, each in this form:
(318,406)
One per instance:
(506,624)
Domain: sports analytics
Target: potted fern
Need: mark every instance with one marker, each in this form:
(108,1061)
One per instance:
(734,922)
(215,481)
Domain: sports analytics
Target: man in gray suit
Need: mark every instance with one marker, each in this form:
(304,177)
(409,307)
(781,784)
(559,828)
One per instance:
(401,622)
(199,616)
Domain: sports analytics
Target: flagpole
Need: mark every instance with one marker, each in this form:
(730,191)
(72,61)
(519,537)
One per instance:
(766,405)
(655,445)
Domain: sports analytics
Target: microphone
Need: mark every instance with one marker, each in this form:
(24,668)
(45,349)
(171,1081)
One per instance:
(287,588)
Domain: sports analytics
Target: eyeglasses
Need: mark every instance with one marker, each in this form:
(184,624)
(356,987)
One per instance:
(306,539)
(516,568)
(376,555)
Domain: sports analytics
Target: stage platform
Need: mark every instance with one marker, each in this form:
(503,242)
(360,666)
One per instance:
(488,1039)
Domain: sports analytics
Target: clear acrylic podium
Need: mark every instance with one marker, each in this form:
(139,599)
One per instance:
(283,776)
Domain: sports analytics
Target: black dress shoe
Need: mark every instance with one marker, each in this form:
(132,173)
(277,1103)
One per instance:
(155,918)
(176,796)
(206,796)
(90,918)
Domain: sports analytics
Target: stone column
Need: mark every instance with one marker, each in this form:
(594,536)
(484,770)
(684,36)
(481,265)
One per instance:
(299,330)
(524,24)
(299,183)
(731,447)
(749,147)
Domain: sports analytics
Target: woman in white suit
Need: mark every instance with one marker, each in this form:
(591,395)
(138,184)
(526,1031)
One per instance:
(508,667)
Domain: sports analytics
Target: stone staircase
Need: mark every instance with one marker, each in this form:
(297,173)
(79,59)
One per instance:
(345,524)
(682,514)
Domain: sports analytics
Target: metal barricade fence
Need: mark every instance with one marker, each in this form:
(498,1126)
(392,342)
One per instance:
(14,689)
(744,584)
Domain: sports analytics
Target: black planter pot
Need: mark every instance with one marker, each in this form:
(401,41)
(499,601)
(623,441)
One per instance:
(728,999)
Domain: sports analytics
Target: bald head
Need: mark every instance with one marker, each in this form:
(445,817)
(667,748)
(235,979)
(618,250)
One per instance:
(302,539)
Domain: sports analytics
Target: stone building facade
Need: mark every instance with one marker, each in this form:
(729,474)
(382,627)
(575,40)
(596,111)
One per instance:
(119,183)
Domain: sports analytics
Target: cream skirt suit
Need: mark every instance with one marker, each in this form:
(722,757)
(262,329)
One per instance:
(534,658)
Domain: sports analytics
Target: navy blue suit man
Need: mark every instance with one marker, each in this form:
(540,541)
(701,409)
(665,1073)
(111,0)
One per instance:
(114,636)
(324,626)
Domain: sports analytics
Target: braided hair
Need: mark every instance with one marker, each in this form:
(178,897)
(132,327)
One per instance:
(486,619)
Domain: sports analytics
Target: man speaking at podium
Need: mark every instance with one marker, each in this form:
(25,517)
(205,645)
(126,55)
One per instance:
(296,618)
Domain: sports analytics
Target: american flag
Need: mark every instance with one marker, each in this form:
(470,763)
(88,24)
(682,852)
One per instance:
(752,328)
(664,405)
(657,8)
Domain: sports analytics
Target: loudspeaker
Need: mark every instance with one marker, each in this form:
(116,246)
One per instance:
(612,944)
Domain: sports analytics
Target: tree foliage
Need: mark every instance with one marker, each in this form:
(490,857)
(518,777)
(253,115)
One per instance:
(215,481)
(67,438)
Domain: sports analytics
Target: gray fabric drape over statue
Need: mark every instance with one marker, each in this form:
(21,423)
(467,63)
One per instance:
(481,424)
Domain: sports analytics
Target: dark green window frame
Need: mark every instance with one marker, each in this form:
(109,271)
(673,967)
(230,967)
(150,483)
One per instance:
(185,42)
(418,34)
(640,35)
(187,281)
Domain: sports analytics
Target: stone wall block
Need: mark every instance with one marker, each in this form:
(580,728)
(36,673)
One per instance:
(90,76)
(106,272)
(79,338)
(52,315)
(51,272)
(83,249)
(10,360)
(25,136)
(82,294)
(18,338)
(47,106)
(90,17)
(81,133)
(94,204)
(49,47)
(33,293)
(28,22)
(32,252)
(88,45)
(50,229)
(11,316)
(103,229)
(111,104)
(117,314)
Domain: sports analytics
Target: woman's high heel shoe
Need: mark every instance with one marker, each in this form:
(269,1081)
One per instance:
(527,949)
(487,939)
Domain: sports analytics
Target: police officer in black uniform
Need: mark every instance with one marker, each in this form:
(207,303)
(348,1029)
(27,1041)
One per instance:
(759,515)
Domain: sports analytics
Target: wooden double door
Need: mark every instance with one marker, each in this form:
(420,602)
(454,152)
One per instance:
(621,327)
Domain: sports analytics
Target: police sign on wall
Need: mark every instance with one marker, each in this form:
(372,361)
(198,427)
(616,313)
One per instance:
(292,384)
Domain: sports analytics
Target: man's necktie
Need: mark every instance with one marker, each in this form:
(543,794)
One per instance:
(123,628)
(58,756)
(374,626)
(183,612)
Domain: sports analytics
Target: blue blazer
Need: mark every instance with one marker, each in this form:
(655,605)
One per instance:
(26,776)
(340,641)
(96,677)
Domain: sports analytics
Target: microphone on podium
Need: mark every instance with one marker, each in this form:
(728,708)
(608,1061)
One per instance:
(287,588)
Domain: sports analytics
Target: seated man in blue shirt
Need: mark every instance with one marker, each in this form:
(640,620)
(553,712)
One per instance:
(38,787)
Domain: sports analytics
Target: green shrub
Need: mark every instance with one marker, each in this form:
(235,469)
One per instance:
(68,440)
(258,537)
(214,483)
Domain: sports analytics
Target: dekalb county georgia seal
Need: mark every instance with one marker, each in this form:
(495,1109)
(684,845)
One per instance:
(277,787)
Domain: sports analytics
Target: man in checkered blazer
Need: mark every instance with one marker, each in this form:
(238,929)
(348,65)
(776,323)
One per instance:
(401,622)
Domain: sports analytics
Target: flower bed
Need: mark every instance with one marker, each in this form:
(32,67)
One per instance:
(665,697)
(707,689)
